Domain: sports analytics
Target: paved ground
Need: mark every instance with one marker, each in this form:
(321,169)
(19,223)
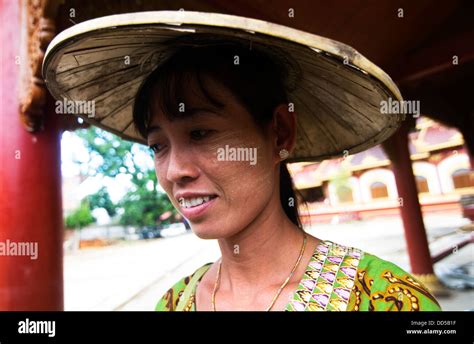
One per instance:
(134,275)
(117,277)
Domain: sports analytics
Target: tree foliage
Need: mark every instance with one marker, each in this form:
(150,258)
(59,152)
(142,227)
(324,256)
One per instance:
(111,156)
(101,199)
(81,217)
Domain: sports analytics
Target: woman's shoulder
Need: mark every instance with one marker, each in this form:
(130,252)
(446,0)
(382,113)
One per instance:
(170,300)
(381,285)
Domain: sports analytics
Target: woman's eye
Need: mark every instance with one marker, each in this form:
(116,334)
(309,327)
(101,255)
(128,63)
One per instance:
(199,134)
(156,148)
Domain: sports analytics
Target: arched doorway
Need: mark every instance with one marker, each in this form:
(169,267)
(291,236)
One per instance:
(378,190)
(422,184)
(344,194)
(462,178)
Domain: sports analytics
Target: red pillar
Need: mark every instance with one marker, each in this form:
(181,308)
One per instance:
(30,189)
(415,234)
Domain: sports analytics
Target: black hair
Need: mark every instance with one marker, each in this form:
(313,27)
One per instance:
(251,75)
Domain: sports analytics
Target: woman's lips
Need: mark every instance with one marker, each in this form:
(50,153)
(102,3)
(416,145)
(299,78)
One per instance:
(198,210)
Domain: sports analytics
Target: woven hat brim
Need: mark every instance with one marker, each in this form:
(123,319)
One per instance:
(337,94)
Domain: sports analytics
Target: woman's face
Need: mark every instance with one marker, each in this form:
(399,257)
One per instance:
(216,166)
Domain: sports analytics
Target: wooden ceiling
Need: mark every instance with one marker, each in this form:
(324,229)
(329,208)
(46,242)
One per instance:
(413,41)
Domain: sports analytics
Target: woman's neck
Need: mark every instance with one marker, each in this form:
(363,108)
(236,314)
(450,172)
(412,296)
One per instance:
(262,254)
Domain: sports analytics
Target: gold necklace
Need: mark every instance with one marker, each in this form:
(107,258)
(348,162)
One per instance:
(218,279)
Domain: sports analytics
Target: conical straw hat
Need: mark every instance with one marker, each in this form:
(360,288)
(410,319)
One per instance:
(335,91)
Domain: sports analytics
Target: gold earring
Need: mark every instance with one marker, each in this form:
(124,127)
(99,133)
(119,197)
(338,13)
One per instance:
(284,154)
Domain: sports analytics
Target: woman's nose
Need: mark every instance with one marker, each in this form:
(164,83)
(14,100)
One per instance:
(181,166)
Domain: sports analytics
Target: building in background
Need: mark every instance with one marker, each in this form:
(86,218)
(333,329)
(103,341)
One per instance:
(363,185)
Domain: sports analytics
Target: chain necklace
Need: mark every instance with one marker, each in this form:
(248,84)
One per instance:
(218,279)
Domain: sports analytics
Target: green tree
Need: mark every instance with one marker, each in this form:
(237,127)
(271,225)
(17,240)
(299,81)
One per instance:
(81,217)
(101,199)
(111,156)
(143,207)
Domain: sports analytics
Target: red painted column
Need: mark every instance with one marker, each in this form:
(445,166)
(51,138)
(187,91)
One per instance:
(30,190)
(415,234)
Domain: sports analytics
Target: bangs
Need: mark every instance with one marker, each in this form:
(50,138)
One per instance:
(173,88)
(255,80)
(169,87)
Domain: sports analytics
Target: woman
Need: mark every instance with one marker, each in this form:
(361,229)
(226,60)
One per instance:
(267,259)
(217,113)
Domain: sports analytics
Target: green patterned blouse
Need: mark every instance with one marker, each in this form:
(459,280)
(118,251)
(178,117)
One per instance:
(337,278)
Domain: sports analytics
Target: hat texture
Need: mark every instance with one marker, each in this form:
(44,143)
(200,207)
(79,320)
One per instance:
(335,92)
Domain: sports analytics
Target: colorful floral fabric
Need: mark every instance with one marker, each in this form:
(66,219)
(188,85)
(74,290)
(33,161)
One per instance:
(338,278)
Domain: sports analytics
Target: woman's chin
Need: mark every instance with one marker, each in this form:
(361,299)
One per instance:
(206,231)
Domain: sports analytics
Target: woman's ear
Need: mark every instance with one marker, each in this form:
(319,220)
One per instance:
(284,128)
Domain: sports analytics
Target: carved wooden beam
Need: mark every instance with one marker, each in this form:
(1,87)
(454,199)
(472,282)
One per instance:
(38,31)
